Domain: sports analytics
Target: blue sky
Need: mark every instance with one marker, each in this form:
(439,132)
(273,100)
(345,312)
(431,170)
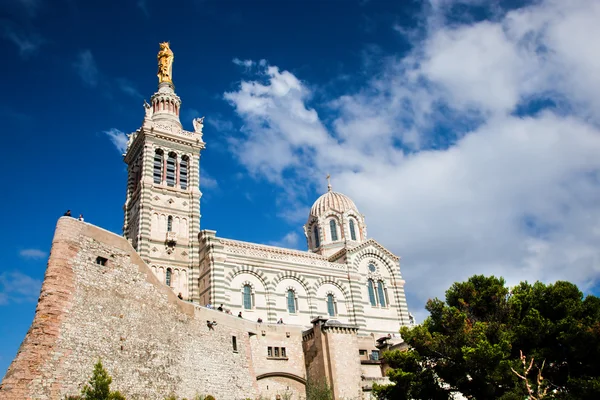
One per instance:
(466,131)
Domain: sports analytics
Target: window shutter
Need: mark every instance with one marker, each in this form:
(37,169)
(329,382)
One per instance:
(372,293)
(333,228)
(157,167)
(330,305)
(352,232)
(381,294)
(183,173)
(291,302)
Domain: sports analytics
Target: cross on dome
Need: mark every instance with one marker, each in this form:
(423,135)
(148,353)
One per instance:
(328,183)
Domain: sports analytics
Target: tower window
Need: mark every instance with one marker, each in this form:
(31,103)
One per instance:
(183,172)
(168,277)
(171,169)
(158,162)
(352,231)
(101,260)
(371,292)
(170,223)
(291,301)
(234,343)
(331,306)
(247,297)
(380,292)
(333,229)
(316,233)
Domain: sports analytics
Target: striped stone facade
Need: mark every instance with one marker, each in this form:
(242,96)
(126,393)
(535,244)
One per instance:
(226,266)
(162,208)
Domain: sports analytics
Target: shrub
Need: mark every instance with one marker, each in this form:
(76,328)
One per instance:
(98,387)
(318,390)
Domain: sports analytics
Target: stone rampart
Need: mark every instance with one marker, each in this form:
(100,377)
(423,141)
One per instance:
(152,343)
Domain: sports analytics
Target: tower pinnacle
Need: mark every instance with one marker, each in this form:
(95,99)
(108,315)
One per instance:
(165,103)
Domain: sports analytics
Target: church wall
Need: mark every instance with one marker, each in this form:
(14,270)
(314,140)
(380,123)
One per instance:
(377,318)
(302,314)
(259,296)
(342,314)
(272,271)
(270,275)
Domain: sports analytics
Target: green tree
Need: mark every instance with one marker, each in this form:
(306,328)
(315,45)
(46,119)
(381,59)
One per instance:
(318,390)
(98,387)
(472,341)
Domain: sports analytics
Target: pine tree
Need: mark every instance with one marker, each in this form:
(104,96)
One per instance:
(98,387)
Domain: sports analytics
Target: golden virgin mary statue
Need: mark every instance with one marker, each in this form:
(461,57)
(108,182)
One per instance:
(165,63)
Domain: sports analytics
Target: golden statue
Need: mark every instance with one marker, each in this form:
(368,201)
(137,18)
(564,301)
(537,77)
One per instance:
(165,63)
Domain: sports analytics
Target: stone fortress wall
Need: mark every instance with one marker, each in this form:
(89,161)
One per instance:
(152,343)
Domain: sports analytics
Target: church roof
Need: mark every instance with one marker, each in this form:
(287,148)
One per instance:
(332,201)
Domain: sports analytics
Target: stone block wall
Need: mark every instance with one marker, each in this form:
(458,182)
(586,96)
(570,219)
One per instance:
(331,353)
(279,375)
(343,353)
(152,343)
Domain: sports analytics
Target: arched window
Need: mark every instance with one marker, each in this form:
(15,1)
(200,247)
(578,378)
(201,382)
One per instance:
(352,231)
(170,223)
(171,159)
(331,306)
(168,277)
(316,232)
(291,301)
(333,229)
(247,294)
(371,287)
(381,293)
(183,172)
(158,162)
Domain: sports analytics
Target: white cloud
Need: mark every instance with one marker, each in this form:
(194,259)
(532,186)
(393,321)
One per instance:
(33,253)
(143,5)
(85,65)
(291,240)
(27,43)
(207,181)
(249,63)
(433,152)
(220,124)
(127,87)
(16,287)
(118,138)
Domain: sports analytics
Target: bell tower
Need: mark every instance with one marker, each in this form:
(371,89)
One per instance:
(162,206)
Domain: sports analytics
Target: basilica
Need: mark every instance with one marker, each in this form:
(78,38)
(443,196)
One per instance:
(344,274)
(140,301)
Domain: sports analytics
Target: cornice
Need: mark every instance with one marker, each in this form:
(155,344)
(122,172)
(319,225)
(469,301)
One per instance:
(372,242)
(247,249)
(336,256)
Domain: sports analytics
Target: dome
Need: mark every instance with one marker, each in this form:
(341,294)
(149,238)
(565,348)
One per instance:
(332,201)
(334,222)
